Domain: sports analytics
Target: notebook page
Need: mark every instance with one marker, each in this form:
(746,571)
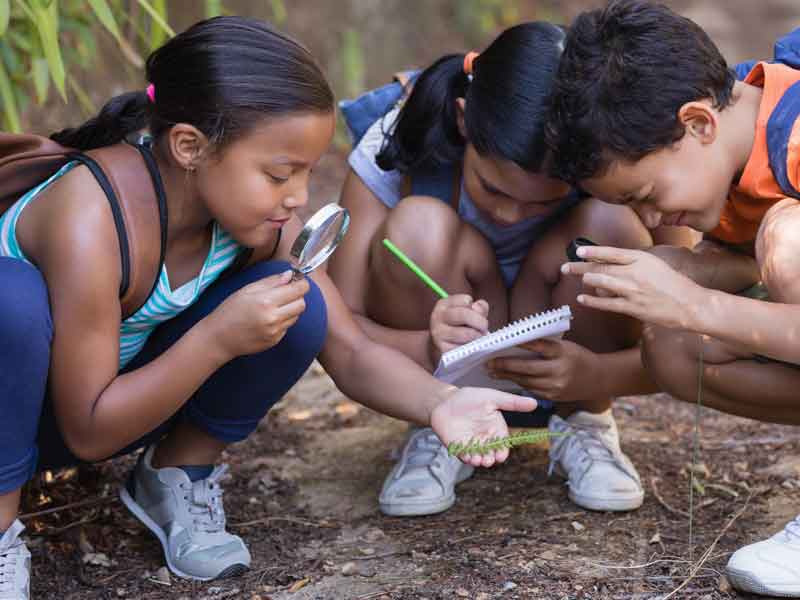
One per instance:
(458,362)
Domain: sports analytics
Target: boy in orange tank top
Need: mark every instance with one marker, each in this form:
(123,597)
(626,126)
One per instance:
(647,113)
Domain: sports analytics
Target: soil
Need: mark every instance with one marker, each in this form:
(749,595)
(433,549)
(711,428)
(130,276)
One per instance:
(303,489)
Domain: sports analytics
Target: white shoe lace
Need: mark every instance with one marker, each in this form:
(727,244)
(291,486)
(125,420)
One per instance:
(792,529)
(9,558)
(204,498)
(423,449)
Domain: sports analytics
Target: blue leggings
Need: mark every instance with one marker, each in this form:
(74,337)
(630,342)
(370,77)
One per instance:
(228,405)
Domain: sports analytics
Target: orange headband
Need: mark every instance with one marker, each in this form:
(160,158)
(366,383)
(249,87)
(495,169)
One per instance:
(469,59)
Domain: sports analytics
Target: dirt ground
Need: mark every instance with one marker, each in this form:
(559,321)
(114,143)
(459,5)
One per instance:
(303,490)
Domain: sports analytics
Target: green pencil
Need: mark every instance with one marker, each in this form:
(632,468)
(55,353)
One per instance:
(415,268)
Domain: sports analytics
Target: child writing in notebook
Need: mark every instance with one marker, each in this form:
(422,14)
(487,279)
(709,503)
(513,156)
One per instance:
(238,114)
(454,175)
(643,99)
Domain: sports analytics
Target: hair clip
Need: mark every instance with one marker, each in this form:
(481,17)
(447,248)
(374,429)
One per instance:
(469,61)
(151,93)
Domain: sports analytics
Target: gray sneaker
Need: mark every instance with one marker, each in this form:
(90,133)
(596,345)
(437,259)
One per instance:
(15,565)
(188,519)
(423,481)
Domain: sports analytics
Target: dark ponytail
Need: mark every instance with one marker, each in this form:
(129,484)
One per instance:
(506,104)
(121,116)
(222,75)
(426,135)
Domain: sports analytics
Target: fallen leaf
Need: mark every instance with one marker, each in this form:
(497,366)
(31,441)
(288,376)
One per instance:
(656,539)
(577,526)
(96,558)
(297,585)
(298,415)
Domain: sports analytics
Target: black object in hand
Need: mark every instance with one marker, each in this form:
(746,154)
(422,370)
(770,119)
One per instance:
(572,249)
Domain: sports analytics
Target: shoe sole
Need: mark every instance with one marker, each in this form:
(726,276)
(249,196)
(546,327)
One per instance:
(426,508)
(607,504)
(138,512)
(744,581)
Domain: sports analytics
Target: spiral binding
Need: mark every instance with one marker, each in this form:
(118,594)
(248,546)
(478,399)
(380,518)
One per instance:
(509,332)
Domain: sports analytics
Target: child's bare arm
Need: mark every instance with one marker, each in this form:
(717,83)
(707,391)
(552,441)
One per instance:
(712,264)
(349,270)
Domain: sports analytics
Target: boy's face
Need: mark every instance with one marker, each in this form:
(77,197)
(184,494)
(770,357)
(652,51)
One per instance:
(684,184)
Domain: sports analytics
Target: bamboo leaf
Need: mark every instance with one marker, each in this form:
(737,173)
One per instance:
(157,18)
(157,35)
(5,15)
(278,11)
(213,8)
(41,78)
(86,103)
(46,21)
(106,17)
(9,101)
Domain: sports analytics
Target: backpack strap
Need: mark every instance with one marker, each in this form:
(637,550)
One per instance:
(779,132)
(130,179)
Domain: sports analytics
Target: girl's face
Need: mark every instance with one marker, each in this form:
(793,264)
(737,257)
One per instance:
(257,182)
(505,193)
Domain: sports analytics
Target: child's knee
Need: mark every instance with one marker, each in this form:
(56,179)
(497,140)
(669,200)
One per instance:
(778,251)
(25,322)
(666,351)
(426,229)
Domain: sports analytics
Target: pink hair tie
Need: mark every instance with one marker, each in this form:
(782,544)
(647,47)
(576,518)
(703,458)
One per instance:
(151,93)
(469,62)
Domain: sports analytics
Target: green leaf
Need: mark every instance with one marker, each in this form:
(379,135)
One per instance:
(106,17)
(213,8)
(5,15)
(41,78)
(9,102)
(86,103)
(46,21)
(157,35)
(278,11)
(157,18)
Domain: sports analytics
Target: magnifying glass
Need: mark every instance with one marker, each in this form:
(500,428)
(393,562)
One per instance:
(318,238)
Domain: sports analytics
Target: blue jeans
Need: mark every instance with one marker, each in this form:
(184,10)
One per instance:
(228,405)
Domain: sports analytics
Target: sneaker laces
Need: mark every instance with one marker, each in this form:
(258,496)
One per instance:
(8,558)
(588,443)
(792,529)
(422,449)
(205,501)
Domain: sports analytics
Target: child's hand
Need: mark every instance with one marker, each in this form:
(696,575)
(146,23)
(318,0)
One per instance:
(638,284)
(563,372)
(257,316)
(474,414)
(456,320)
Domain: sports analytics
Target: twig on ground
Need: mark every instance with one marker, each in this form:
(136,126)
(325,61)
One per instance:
(568,515)
(663,502)
(698,565)
(80,504)
(287,519)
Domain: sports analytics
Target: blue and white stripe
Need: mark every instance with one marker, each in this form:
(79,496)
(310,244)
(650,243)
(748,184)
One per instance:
(164,303)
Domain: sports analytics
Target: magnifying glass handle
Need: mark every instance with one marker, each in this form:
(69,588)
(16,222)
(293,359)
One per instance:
(572,249)
(297,275)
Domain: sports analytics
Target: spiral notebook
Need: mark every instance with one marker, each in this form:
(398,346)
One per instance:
(465,365)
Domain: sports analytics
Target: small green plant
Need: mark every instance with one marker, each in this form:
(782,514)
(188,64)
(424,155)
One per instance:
(530,436)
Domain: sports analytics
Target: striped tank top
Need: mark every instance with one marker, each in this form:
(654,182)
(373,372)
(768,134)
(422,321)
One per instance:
(163,304)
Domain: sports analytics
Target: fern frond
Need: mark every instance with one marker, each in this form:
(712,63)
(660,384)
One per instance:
(474,446)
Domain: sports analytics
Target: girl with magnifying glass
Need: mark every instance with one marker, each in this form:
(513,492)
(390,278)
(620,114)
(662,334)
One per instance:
(239,114)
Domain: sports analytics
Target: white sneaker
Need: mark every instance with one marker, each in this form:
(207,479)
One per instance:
(423,481)
(15,565)
(599,475)
(771,567)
